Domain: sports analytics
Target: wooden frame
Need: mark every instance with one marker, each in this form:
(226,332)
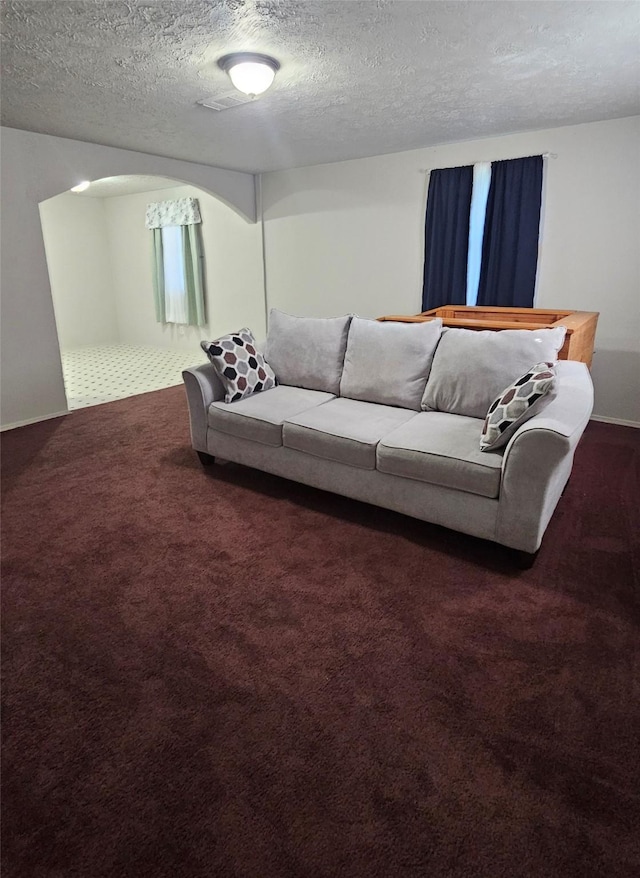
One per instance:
(580,325)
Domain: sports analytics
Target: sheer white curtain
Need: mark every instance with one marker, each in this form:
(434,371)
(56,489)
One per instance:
(175,287)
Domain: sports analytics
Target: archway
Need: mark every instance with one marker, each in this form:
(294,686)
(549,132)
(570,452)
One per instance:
(35,167)
(99,261)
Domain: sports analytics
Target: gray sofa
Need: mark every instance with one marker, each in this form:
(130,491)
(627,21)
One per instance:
(391,414)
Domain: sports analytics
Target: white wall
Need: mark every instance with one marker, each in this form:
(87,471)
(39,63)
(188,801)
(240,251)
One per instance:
(36,167)
(78,258)
(349,237)
(233,271)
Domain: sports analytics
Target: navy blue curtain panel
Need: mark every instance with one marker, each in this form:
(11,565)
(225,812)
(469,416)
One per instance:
(510,244)
(447,237)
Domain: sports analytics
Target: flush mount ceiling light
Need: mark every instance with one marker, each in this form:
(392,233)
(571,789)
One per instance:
(250,72)
(81,186)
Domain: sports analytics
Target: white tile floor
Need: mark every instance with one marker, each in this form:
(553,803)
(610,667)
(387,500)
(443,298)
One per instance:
(102,373)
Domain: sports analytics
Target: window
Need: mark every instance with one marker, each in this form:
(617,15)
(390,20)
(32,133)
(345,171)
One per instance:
(178,271)
(481,234)
(479,195)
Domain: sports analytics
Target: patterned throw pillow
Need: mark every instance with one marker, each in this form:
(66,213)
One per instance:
(239,364)
(515,405)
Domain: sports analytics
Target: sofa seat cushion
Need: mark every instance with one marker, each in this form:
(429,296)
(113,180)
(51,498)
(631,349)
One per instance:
(344,430)
(260,417)
(441,449)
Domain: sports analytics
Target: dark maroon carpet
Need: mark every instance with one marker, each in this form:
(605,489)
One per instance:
(227,675)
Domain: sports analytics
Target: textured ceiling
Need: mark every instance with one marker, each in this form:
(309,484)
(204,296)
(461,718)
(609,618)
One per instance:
(357,78)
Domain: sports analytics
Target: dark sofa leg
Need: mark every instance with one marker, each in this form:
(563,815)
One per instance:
(206,459)
(524,560)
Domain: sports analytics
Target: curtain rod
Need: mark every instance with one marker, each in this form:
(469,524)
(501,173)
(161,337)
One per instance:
(545,155)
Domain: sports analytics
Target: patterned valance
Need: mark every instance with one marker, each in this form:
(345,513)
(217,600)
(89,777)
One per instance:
(179,212)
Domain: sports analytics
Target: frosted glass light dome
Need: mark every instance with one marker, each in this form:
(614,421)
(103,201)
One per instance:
(249,72)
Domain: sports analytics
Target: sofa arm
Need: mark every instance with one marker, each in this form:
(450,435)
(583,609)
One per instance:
(538,460)
(203,387)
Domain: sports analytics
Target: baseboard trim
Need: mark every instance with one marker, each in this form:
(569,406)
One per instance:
(33,421)
(618,421)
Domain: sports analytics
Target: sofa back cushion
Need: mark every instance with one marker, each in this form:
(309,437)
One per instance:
(471,367)
(389,362)
(307,351)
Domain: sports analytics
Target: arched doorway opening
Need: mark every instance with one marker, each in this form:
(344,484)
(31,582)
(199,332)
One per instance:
(99,259)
